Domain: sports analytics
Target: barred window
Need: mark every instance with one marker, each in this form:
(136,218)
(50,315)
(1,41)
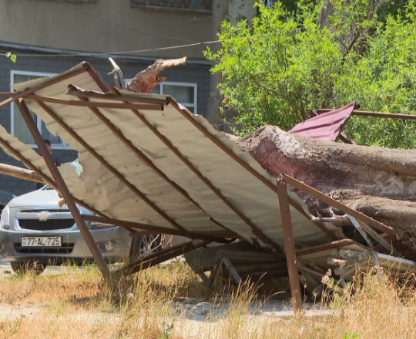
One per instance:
(193,5)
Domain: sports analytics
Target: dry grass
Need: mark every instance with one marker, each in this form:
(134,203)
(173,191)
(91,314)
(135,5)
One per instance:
(75,305)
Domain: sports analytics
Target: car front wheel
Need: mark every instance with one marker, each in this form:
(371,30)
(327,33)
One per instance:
(144,245)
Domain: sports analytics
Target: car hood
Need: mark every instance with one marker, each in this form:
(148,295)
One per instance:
(40,199)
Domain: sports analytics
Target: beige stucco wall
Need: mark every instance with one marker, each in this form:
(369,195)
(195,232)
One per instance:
(238,9)
(48,23)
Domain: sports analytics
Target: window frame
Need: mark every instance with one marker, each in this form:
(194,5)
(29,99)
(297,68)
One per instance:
(148,5)
(182,84)
(63,145)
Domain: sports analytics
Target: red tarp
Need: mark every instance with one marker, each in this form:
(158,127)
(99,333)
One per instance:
(325,126)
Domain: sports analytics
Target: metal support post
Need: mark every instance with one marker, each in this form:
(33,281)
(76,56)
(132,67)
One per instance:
(64,190)
(290,250)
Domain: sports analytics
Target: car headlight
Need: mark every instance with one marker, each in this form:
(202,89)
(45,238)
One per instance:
(5,218)
(96,225)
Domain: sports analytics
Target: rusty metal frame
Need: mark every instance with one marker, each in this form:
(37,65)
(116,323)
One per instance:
(92,246)
(98,104)
(156,104)
(290,180)
(374,114)
(116,173)
(58,78)
(47,179)
(292,267)
(100,116)
(79,92)
(256,231)
(161,256)
(158,229)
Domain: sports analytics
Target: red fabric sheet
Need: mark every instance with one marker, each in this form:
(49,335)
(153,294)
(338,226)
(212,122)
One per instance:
(325,126)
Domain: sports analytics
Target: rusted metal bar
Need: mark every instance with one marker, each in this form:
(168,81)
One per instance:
(256,231)
(7,94)
(101,104)
(375,114)
(78,92)
(98,79)
(292,181)
(108,166)
(290,250)
(45,178)
(296,206)
(59,78)
(155,229)
(92,246)
(159,257)
(144,158)
(330,201)
(329,246)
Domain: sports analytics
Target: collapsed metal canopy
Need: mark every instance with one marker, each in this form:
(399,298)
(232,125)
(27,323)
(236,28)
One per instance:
(147,159)
(150,164)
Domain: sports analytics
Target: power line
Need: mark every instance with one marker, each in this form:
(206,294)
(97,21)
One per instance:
(123,25)
(78,54)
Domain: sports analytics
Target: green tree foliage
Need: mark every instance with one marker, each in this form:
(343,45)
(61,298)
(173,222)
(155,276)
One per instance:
(286,63)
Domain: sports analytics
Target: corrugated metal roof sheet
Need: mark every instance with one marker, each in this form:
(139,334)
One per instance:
(325,126)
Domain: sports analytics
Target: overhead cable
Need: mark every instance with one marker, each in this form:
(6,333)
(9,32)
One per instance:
(106,54)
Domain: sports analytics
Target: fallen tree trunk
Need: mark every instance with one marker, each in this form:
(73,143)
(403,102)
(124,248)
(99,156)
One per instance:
(20,172)
(377,181)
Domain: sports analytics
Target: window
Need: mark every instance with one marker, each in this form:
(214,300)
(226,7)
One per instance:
(18,125)
(192,5)
(184,93)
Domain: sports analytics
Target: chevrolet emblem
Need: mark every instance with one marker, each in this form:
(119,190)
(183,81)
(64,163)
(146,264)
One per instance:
(43,216)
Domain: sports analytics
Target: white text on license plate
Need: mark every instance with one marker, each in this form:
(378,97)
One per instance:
(41,241)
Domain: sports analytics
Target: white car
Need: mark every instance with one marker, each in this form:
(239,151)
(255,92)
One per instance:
(35,232)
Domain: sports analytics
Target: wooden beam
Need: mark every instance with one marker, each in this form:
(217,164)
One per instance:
(21,173)
(92,246)
(289,245)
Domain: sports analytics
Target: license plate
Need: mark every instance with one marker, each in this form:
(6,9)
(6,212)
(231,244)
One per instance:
(41,241)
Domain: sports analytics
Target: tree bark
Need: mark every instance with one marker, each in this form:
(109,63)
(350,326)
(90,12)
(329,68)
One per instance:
(147,79)
(377,181)
(19,172)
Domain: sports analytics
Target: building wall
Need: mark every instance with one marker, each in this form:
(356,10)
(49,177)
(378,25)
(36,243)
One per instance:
(191,73)
(49,23)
